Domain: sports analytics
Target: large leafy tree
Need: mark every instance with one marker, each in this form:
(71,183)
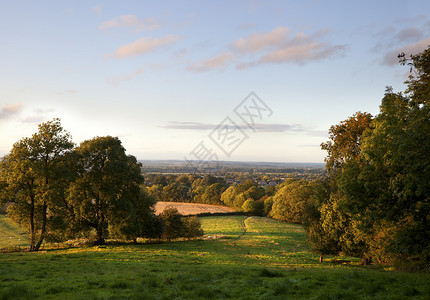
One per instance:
(330,228)
(36,172)
(389,186)
(290,201)
(106,194)
(379,189)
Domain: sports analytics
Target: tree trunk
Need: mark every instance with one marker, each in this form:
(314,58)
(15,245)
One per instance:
(366,261)
(32,230)
(100,235)
(42,234)
(100,225)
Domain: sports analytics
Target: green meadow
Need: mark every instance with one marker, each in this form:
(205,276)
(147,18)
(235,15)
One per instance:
(240,258)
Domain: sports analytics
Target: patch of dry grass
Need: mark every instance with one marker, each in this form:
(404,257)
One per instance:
(188,209)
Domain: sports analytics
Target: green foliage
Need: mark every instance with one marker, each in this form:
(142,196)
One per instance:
(174,225)
(192,227)
(212,194)
(379,202)
(249,206)
(35,175)
(290,201)
(107,193)
(236,195)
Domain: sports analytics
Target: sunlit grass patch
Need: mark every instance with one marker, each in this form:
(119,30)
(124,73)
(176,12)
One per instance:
(12,235)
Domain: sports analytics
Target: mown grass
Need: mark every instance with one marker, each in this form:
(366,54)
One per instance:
(270,261)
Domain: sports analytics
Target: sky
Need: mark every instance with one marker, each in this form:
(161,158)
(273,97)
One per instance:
(202,80)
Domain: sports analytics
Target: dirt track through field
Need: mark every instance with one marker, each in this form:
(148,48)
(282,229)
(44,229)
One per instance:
(241,235)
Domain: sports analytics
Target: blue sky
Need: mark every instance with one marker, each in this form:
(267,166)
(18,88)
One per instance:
(161,75)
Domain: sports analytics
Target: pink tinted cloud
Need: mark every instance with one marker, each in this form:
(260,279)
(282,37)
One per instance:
(217,62)
(145,45)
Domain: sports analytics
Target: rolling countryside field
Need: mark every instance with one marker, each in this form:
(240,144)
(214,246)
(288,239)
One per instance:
(239,258)
(187,209)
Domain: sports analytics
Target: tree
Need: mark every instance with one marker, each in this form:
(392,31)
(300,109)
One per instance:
(212,194)
(173,226)
(192,227)
(345,140)
(249,206)
(107,188)
(389,185)
(290,201)
(36,172)
(379,202)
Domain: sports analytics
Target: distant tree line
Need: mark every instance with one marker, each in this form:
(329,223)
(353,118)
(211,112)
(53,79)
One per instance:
(60,192)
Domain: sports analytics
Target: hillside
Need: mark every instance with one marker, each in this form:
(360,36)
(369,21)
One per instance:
(240,258)
(11,234)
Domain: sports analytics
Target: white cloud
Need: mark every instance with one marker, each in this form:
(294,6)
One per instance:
(392,59)
(10,110)
(145,45)
(130,21)
(114,81)
(276,46)
(67,92)
(274,127)
(303,52)
(216,62)
(259,41)
(97,9)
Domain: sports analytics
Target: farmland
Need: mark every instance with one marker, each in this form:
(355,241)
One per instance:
(192,208)
(240,257)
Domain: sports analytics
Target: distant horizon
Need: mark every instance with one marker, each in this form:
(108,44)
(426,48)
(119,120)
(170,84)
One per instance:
(234,161)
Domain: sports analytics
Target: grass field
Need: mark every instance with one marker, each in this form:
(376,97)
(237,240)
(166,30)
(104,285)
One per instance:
(241,258)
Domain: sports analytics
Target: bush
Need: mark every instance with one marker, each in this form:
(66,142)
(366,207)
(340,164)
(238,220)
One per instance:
(192,227)
(174,225)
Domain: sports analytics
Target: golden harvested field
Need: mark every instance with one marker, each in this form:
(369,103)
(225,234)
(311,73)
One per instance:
(187,209)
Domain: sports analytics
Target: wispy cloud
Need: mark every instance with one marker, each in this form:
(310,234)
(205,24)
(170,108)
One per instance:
(283,48)
(259,41)
(114,81)
(391,57)
(97,9)
(38,115)
(277,46)
(297,128)
(303,52)
(8,111)
(145,45)
(188,126)
(130,21)
(218,62)
(410,34)
(67,92)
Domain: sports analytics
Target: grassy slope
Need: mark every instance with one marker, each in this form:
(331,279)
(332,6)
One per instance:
(270,261)
(11,235)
